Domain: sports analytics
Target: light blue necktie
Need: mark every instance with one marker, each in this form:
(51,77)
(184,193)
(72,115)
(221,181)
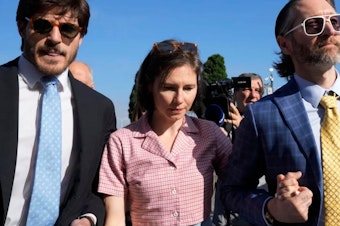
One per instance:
(44,205)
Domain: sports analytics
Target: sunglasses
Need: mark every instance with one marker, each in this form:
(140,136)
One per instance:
(167,47)
(43,26)
(315,25)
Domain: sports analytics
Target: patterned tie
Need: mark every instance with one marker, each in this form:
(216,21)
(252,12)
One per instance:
(330,143)
(44,205)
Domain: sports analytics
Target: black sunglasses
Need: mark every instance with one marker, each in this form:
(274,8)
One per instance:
(43,26)
(167,47)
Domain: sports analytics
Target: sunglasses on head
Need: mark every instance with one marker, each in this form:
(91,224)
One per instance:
(43,26)
(315,25)
(167,47)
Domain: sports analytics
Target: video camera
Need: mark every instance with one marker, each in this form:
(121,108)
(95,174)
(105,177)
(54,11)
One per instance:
(218,96)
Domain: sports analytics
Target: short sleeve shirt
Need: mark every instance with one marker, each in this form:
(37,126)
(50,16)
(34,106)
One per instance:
(165,188)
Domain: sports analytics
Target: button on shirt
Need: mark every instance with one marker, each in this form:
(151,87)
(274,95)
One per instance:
(165,188)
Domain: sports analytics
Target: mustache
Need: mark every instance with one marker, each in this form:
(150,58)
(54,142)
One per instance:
(50,49)
(331,40)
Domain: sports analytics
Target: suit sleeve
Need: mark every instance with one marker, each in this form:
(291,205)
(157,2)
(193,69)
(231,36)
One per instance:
(239,191)
(84,198)
(94,202)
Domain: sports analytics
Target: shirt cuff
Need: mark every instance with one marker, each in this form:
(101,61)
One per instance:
(264,211)
(92,217)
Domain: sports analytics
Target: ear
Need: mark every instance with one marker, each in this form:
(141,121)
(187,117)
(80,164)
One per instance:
(21,28)
(284,44)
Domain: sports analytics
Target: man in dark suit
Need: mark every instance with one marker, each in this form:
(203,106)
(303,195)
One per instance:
(51,33)
(279,136)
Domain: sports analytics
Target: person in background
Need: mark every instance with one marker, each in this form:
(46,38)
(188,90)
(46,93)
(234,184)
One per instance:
(82,72)
(245,96)
(280,136)
(36,83)
(163,164)
(242,97)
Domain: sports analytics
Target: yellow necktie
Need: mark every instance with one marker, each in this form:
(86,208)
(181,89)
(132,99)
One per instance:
(330,144)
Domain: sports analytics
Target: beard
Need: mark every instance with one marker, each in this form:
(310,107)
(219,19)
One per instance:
(48,66)
(316,55)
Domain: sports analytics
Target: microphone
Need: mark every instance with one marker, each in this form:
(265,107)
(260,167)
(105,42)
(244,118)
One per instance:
(215,113)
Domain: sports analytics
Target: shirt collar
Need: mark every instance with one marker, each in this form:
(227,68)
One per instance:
(312,92)
(31,75)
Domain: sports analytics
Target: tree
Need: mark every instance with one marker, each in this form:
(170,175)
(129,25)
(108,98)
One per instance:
(214,69)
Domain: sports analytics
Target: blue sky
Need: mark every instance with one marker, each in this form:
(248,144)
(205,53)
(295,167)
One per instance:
(121,33)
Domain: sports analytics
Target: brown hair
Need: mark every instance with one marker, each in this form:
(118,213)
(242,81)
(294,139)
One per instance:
(160,64)
(79,8)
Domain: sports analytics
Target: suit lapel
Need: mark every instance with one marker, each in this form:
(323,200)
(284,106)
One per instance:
(9,97)
(294,112)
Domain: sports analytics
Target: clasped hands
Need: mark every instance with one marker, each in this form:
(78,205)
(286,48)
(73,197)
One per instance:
(291,202)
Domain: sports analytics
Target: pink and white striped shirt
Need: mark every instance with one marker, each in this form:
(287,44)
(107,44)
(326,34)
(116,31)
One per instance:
(165,188)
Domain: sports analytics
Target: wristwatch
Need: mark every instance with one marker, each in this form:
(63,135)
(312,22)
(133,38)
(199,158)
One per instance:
(268,216)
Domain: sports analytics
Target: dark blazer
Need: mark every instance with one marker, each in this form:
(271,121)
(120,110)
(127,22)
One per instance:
(94,120)
(275,137)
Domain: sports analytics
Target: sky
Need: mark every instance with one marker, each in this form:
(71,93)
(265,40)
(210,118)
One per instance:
(121,33)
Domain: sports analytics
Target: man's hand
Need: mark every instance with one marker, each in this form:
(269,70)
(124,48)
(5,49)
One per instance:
(234,116)
(292,201)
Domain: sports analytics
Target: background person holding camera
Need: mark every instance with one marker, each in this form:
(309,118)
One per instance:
(242,97)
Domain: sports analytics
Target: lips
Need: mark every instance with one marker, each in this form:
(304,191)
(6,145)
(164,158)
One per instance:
(52,52)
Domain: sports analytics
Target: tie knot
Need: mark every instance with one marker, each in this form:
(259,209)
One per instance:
(49,80)
(329,101)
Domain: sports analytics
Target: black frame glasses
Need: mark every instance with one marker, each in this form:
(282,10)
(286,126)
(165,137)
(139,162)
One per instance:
(315,25)
(43,26)
(167,47)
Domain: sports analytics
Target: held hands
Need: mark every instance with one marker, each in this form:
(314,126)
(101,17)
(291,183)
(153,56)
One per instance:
(291,201)
(234,116)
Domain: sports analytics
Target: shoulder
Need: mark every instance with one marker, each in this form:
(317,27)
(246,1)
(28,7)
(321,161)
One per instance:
(9,68)
(86,94)
(200,124)
(204,127)
(286,93)
(133,130)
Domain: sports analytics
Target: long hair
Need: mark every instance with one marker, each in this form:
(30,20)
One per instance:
(284,22)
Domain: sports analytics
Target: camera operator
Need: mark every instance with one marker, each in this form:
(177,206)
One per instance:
(242,97)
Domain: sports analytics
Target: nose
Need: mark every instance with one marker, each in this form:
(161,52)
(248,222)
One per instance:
(254,94)
(179,96)
(329,29)
(55,34)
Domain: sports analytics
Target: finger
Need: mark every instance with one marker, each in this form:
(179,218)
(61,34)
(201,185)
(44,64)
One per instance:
(295,175)
(279,178)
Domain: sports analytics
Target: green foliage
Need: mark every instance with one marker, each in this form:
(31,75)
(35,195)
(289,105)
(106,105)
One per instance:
(214,69)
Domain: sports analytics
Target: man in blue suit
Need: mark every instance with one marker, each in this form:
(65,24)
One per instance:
(279,136)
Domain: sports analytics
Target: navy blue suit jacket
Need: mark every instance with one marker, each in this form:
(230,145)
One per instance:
(275,137)
(94,119)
